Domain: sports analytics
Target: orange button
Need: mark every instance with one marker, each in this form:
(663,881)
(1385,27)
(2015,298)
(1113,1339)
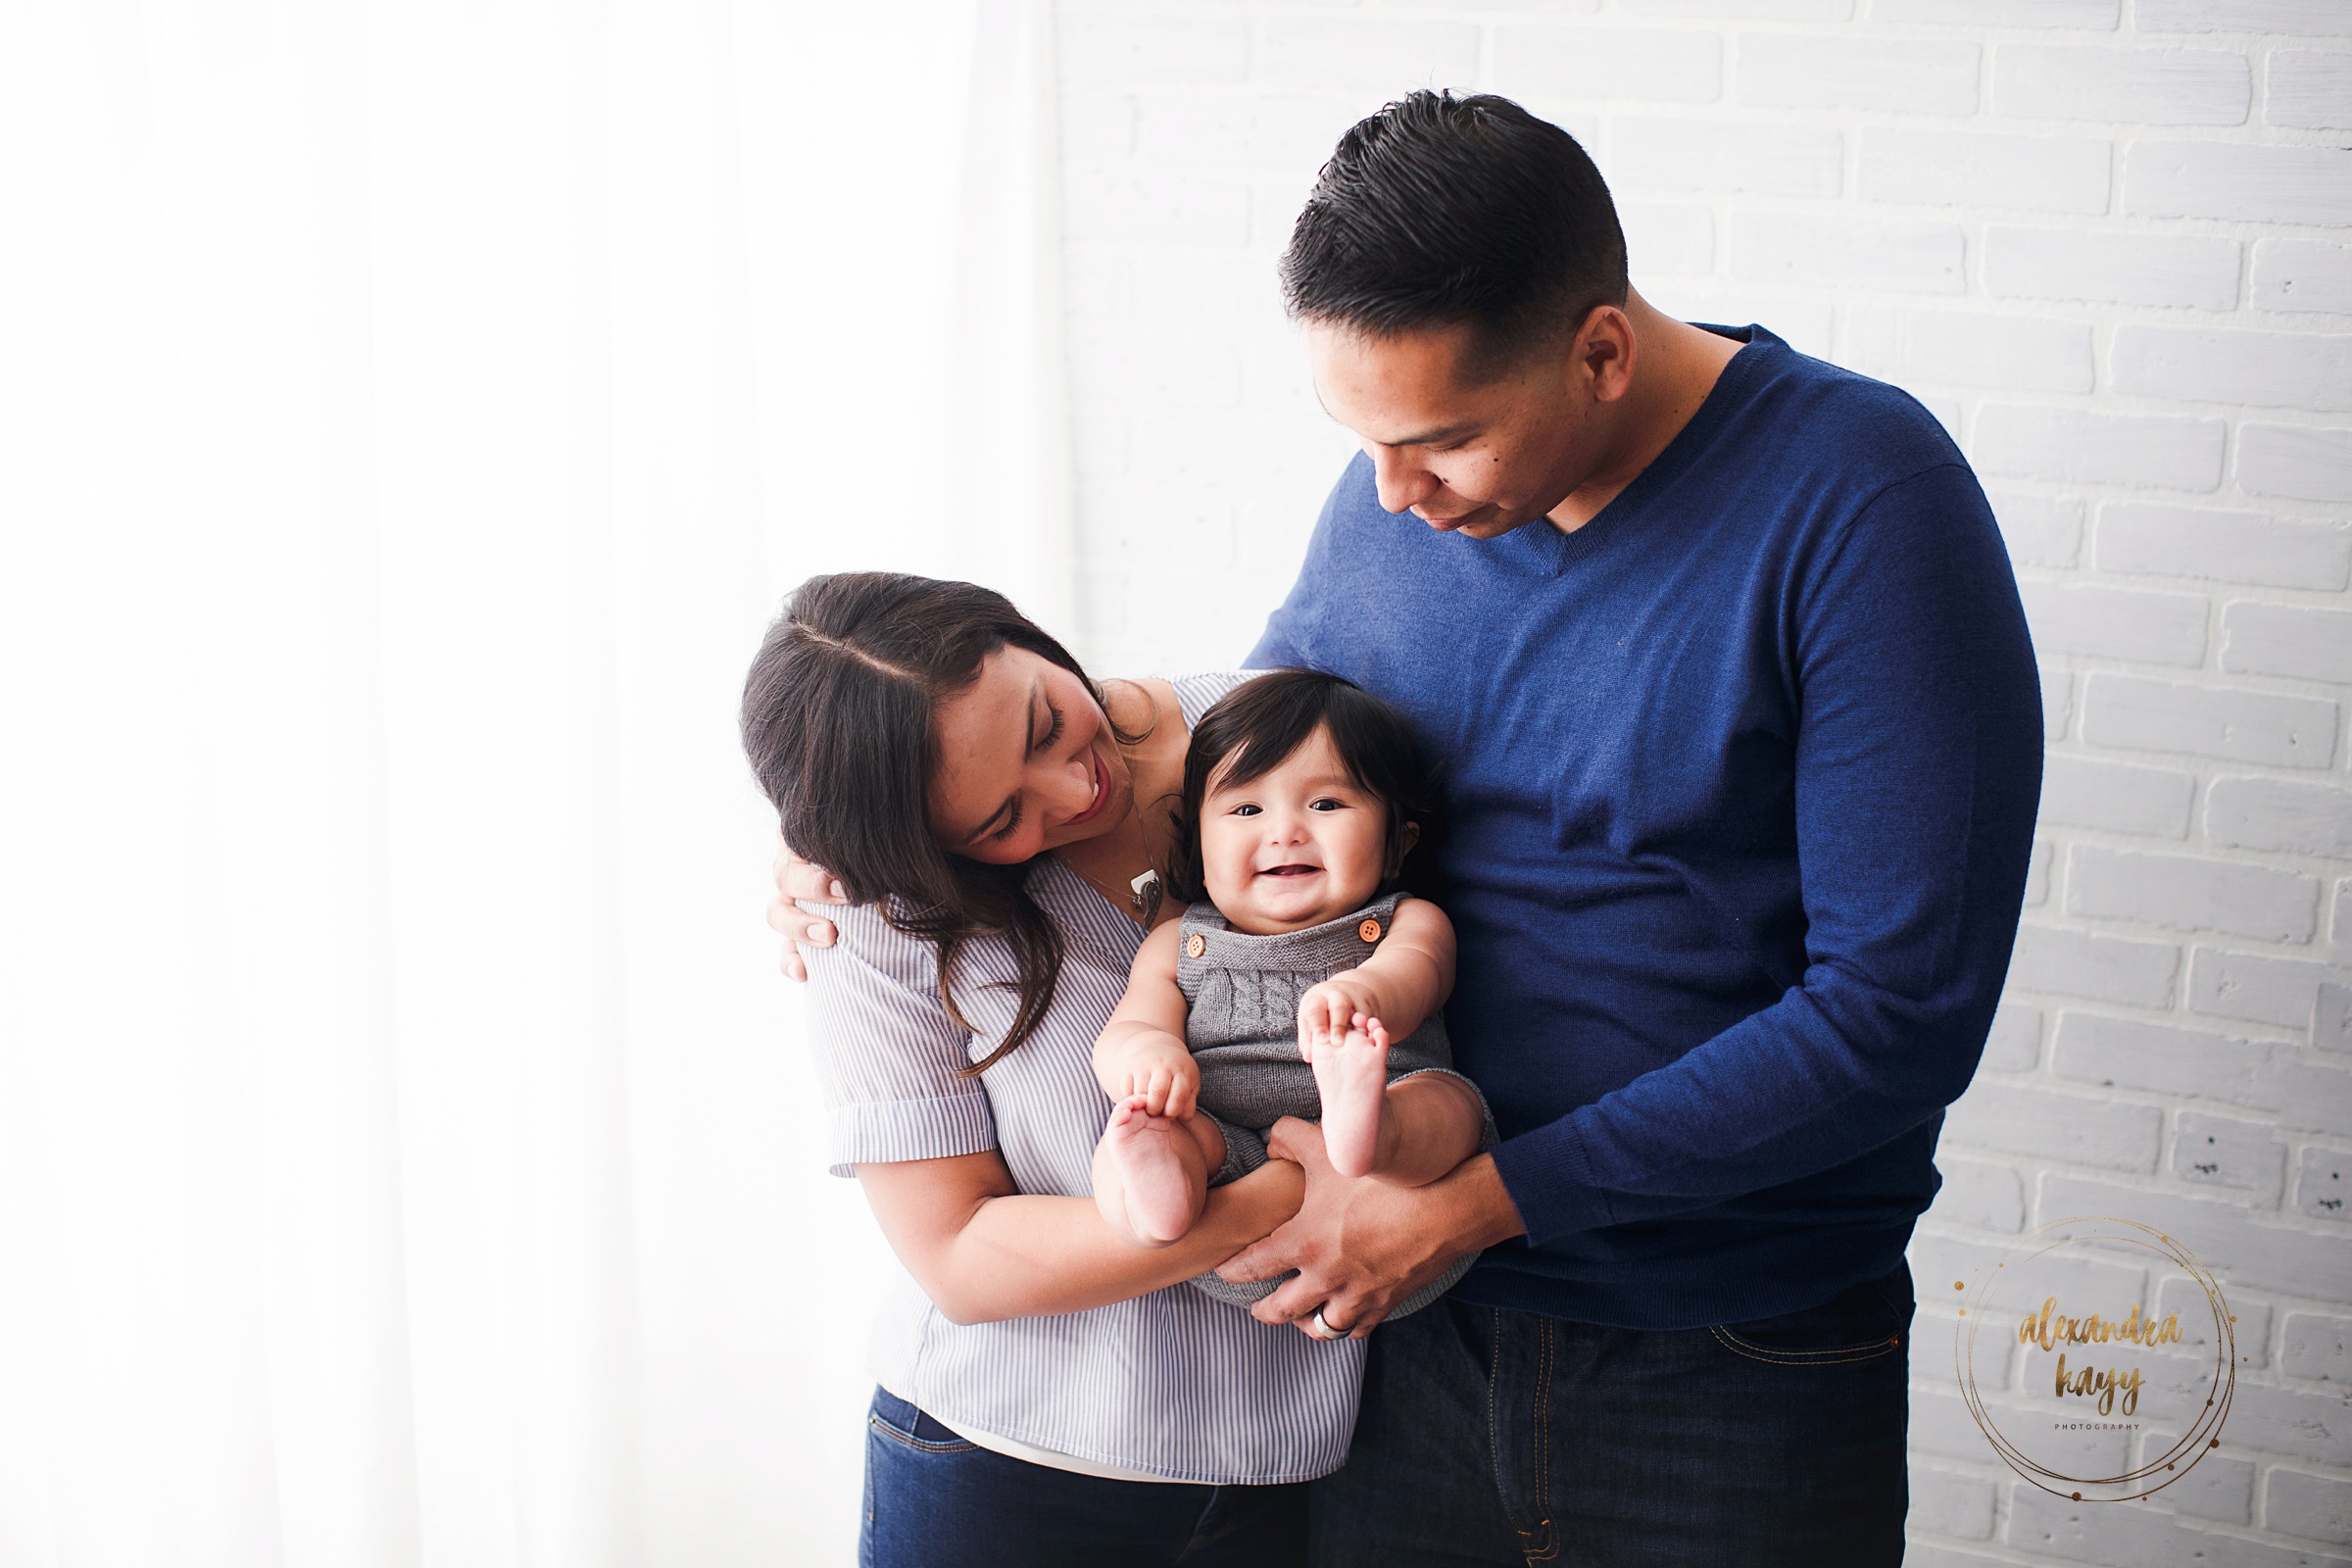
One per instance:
(1369,930)
(1196,945)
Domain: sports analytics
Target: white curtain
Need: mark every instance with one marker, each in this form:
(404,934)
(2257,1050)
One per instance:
(410,414)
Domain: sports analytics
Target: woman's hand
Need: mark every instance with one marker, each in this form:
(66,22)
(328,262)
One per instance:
(1362,1245)
(796,879)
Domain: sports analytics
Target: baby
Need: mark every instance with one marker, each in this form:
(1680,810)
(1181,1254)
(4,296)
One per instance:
(1296,988)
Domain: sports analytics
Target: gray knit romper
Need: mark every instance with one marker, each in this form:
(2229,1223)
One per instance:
(1242,994)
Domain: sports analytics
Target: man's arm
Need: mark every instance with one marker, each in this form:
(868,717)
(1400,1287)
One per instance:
(1361,1245)
(1918,771)
(1917,774)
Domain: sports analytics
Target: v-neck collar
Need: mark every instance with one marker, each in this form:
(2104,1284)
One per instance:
(1557,551)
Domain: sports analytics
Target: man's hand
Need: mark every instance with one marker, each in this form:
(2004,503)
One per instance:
(1158,1070)
(1334,1007)
(1361,1247)
(796,878)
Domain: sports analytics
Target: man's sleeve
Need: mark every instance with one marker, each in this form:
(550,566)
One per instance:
(1918,770)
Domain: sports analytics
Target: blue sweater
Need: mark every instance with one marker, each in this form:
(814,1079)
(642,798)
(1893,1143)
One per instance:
(1740,787)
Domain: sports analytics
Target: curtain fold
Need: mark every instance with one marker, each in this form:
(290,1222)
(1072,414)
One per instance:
(409,416)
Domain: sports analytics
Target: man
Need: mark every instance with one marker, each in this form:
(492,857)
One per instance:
(1724,656)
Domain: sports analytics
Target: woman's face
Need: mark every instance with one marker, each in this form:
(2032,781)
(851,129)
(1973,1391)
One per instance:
(1026,763)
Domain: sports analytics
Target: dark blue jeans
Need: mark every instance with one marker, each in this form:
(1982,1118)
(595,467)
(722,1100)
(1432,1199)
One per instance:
(937,1501)
(1510,1437)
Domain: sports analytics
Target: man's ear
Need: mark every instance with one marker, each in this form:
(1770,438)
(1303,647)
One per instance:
(1603,357)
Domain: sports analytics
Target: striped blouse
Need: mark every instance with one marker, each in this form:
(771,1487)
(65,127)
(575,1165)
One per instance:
(1172,1386)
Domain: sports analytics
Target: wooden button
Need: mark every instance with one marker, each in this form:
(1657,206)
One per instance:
(1369,930)
(1196,945)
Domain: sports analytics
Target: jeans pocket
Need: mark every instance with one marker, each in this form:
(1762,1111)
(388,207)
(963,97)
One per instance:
(901,1423)
(1864,1324)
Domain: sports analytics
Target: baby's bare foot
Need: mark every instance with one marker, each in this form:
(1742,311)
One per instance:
(1352,1074)
(1162,1196)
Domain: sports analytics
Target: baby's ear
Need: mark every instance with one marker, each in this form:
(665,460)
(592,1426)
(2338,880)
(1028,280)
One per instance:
(1411,837)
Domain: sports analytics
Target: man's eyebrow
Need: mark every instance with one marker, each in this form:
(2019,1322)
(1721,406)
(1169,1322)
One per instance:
(1438,437)
(1028,745)
(1428,438)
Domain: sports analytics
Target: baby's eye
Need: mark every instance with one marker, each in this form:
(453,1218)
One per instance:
(1248,811)
(1327,803)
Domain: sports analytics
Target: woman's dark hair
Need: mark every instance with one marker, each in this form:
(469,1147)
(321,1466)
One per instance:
(837,721)
(1250,730)
(1439,211)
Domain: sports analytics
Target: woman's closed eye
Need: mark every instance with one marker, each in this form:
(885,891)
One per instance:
(1052,732)
(1037,744)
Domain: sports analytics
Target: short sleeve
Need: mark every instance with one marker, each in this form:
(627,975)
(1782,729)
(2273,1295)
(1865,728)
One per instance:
(888,1056)
(1197,694)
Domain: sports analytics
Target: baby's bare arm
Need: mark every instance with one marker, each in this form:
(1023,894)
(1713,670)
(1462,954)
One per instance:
(1141,1050)
(1408,978)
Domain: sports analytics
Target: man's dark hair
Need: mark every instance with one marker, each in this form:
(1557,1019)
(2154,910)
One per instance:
(1441,211)
(1249,732)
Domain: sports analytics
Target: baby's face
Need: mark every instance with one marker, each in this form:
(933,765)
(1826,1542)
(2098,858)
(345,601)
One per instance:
(1300,845)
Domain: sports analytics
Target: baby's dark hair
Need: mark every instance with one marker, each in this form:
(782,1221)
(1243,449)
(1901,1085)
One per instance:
(1260,725)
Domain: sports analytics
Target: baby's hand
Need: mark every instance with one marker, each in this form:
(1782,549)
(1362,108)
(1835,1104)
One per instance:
(1330,1010)
(1162,1075)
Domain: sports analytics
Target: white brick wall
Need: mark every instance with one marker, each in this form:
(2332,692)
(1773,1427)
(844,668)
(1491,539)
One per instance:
(2107,242)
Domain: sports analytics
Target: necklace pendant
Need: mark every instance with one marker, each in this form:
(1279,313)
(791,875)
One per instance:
(1146,896)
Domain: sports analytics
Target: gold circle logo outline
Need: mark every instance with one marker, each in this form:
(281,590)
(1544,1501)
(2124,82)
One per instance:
(2204,1433)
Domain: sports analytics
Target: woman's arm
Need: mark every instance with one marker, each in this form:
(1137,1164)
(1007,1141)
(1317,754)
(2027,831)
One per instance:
(984,1251)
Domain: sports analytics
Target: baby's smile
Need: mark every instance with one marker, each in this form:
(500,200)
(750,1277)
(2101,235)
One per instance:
(1300,844)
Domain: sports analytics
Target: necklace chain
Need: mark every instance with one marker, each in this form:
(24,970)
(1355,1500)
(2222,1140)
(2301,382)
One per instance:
(1143,895)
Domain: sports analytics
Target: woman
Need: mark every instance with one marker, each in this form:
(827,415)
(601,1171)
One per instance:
(1054,1393)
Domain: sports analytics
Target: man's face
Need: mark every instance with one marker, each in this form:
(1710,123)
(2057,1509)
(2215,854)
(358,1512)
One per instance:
(1471,455)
